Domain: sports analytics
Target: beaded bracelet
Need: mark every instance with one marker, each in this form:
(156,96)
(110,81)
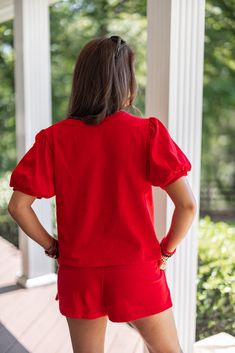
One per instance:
(164,251)
(53,251)
(164,260)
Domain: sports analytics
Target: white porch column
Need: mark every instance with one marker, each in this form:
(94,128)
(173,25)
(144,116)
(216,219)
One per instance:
(33,112)
(175,51)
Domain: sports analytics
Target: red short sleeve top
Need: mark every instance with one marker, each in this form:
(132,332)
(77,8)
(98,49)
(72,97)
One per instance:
(102,177)
(34,174)
(167,162)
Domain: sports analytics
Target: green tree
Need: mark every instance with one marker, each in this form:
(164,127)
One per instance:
(218,129)
(7,98)
(73,23)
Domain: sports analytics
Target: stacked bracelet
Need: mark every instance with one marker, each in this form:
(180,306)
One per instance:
(164,262)
(53,251)
(164,251)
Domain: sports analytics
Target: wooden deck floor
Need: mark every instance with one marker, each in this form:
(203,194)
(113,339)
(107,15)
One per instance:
(26,327)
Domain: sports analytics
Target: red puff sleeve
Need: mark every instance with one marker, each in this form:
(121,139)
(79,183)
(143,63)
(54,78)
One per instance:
(34,173)
(166,162)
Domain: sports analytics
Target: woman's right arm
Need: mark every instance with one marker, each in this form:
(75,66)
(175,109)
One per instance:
(182,196)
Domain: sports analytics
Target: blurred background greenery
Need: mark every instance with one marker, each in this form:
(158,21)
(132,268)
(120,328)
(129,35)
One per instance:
(72,24)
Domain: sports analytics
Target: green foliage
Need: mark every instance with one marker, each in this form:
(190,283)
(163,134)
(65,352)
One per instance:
(216,278)
(7,97)
(218,128)
(74,23)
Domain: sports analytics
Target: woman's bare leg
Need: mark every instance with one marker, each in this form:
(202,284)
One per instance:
(87,336)
(159,332)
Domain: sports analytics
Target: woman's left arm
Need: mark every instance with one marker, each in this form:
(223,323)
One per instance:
(20,209)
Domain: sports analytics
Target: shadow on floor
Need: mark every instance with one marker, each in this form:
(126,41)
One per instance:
(11,288)
(8,343)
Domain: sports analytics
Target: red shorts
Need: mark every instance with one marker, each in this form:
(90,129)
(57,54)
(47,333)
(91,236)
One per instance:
(123,292)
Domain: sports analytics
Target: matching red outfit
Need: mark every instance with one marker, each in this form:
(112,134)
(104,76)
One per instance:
(102,179)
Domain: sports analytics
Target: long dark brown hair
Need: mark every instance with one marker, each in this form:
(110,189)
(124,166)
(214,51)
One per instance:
(103,80)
